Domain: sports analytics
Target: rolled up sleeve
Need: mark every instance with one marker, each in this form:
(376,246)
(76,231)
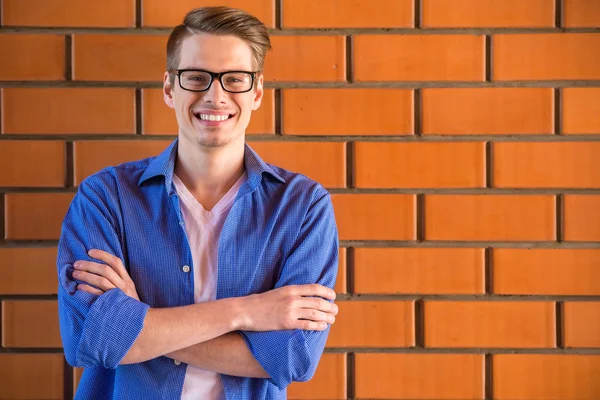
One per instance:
(95,330)
(293,355)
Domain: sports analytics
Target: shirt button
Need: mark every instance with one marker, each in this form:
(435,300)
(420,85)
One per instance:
(177,362)
(185,268)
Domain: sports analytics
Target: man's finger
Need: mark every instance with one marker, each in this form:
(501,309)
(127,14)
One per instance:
(315,290)
(93,279)
(115,262)
(315,315)
(89,289)
(102,270)
(316,303)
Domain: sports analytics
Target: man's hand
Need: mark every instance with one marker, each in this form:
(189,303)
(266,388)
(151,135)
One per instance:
(104,277)
(289,307)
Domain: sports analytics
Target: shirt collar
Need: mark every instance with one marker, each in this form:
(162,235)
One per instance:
(164,164)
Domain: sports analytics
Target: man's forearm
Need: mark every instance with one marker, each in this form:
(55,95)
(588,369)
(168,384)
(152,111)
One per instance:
(227,354)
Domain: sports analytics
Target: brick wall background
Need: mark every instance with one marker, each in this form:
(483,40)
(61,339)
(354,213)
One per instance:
(460,140)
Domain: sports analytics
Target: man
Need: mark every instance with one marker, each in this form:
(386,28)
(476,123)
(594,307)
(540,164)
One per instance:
(202,273)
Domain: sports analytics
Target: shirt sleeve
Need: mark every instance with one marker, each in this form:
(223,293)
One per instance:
(293,355)
(95,330)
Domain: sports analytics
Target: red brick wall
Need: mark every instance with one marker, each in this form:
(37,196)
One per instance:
(460,140)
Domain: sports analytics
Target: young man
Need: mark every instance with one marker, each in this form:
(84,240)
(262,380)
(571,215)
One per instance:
(202,273)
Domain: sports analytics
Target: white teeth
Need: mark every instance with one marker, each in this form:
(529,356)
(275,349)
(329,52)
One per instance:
(212,117)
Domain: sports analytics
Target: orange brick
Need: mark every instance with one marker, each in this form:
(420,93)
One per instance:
(92,156)
(546,271)
(488,13)
(490,217)
(533,165)
(419,165)
(159,119)
(32,57)
(340,283)
(35,216)
(419,271)
(581,110)
(306,59)
(324,162)
(22,322)
(346,14)
(581,13)
(546,376)
(162,14)
(419,376)
(106,13)
(582,324)
(28,270)
(31,376)
(348,112)
(582,218)
(477,324)
(546,56)
(329,381)
(68,110)
(132,57)
(419,58)
(28,163)
(489,111)
(77,373)
(382,324)
(375,216)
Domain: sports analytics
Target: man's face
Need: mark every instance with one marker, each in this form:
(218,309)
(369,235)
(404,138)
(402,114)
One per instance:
(214,117)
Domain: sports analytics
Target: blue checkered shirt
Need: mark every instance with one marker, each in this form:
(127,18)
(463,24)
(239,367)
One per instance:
(281,230)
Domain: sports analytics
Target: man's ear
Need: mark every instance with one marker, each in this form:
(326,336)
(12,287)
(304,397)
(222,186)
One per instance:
(168,90)
(259,91)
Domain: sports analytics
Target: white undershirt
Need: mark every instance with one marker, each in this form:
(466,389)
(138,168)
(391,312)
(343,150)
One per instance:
(203,229)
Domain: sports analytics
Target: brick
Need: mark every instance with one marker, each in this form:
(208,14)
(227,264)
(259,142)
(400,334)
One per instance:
(68,111)
(534,165)
(340,283)
(457,324)
(159,13)
(32,57)
(72,13)
(581,110)
(419,271)
(395,322)
(22,322)
(488,14)
(488,111)
(329,381)
(35,216)
(92,156)
(324,162)
(31,376)
(159,119)
(582,324)
(581,13)
(490,217)
(364,112)
(419,58)
(419,376)
(546,376)
(77,373)
(546,271)
(32,163)
(135,58)
(375,216)
(345,14)
(306,59)
(550,56)
(582,218)
(28,270)
(419,165)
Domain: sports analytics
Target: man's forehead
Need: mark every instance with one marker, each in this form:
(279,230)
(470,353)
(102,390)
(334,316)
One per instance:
(204,50)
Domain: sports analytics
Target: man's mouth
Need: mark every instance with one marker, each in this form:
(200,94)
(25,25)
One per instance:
(213,117)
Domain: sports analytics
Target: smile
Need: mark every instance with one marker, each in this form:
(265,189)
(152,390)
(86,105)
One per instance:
(213,117)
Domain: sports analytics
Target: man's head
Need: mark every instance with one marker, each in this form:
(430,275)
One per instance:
(217,40)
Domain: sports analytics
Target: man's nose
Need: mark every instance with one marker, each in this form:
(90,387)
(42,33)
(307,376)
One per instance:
(215,93)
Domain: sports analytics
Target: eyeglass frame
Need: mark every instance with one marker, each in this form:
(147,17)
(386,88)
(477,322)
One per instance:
(213,75)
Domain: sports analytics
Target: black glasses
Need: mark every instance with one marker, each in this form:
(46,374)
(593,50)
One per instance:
(199,80)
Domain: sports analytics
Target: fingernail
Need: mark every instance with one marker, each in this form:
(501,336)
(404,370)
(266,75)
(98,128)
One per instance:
(77,264)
